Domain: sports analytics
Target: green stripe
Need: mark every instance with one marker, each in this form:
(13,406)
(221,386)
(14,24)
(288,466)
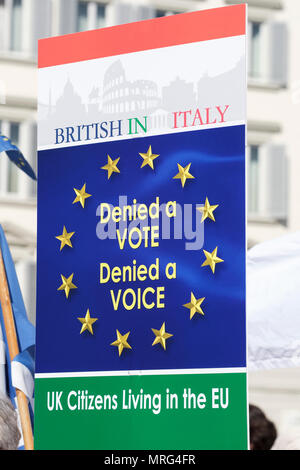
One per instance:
(125,429)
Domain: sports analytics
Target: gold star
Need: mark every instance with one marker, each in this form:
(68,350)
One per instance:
(148,158)
(67,284)
(183,174)
(121,342)
(111,166)
(161,336)
(87,322)
(194,305)
(65,238)
(207,210)
(212,259)
(81,195)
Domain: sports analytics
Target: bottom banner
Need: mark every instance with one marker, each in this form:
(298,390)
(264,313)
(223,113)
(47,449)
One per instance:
(141,412)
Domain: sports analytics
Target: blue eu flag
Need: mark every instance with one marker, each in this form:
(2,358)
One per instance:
(215,158)
(16,156)
(19,372)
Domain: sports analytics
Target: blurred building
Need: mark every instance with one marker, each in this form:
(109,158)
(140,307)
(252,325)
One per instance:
(273,135)
(121,95)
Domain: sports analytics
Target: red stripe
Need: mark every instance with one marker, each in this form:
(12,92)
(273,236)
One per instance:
(144,35)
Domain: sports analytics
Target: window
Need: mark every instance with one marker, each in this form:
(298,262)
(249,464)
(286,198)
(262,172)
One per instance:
(268,174)
(90,15)
(13,171)
(255,49)
(2,22)
(100,16)
(11,20)
(9,173)
(253,180)
(82,16)
(14,182)
(268,52)
(161,13)
(16,26)
(26,272)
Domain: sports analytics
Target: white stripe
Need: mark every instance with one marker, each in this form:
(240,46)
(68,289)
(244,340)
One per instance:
(155,132)
(2,352)
(22,379)
(21,441)
(2,348)
(120,373)
(2,365)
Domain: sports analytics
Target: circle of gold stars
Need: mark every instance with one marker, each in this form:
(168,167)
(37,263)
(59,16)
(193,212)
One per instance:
(194,305)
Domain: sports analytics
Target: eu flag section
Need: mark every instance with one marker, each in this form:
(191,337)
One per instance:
(141,320)
(134,256)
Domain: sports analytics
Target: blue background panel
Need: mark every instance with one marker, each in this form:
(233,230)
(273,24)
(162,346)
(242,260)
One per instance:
(217,339)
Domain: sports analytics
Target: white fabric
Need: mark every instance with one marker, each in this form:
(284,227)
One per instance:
(22,379)
(287,441)
(273,303)
(2,364)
